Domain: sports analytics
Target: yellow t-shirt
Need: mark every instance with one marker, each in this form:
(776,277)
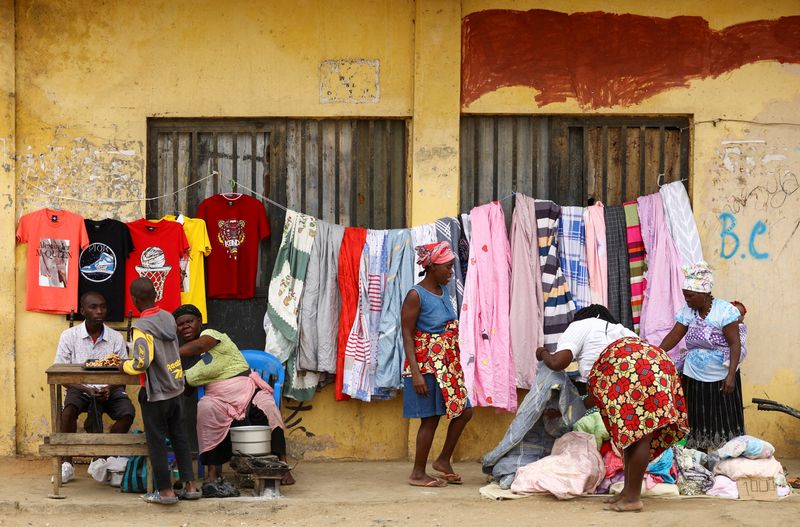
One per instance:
(193,283)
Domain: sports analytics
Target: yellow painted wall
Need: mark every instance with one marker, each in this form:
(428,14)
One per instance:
(88,75)
(753,181)
(8,186)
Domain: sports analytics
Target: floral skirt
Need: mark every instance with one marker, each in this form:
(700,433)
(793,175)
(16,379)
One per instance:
(438,353)
(637,391)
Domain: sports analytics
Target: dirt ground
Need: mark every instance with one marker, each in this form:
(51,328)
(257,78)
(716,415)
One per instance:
(354,493)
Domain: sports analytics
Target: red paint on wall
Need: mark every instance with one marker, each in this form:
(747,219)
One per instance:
(603,59)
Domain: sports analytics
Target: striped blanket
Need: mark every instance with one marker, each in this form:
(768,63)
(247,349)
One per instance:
(572,252)
(619,291)
(558,304)
(449,230)
(357,381)
(636,261)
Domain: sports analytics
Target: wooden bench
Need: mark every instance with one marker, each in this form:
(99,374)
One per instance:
(60,445)
(93,445)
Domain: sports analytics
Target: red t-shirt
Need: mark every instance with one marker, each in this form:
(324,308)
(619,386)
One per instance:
(236,223)
(157,250)
(55,239)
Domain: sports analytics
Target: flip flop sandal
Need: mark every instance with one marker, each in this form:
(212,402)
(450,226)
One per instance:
(434,483)
(451,478)
(190,496)
(156,497)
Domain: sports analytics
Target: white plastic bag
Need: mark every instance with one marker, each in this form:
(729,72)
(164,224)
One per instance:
(98,471)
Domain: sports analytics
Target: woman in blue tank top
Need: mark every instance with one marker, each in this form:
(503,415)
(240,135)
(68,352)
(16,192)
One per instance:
(433,381)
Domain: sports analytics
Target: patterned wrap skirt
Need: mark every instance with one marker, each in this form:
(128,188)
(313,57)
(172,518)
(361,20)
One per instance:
(438,354)
(637,390)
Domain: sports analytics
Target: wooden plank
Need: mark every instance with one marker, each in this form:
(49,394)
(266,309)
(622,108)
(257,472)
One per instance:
(293,164)
(486,156)
(361,186)
(276,154)
(205,163)
(311,167)
(75,374)
(94,439)
(166,175)
(672,155)
(614,171)
(93,450)
(559,156)
(379,179)
(652,159)
(260,168)
(467,161)
(632,164)
(243,160)
(171,202)
(642,156)
(225,161)
(505,163)
(345,214)
(55,417)
(397,170)
(685,156)
(525,154)
(576,194)
(328,205)
(151,176)
(184,165)
(594,163)
(541,138)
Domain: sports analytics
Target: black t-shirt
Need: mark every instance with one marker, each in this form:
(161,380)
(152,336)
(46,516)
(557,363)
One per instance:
(102,264)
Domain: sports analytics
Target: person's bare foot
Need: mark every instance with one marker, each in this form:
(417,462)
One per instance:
(426,481)
(624,505)
(442,466)
(288,479)
(613,499)
(190,487)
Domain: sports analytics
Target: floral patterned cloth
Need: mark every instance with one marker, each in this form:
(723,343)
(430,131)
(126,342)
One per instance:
(438,353)
(638,392)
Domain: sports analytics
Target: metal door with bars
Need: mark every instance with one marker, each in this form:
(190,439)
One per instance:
(351,172)
(570,159)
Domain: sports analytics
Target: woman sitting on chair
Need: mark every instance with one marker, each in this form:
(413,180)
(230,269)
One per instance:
(232,393)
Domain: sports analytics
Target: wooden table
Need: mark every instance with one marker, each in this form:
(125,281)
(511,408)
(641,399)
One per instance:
(60,445)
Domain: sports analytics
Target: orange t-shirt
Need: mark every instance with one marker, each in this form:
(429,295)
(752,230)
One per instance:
(55,239)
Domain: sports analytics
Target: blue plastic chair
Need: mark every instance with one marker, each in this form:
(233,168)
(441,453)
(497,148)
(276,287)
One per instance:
(268,367)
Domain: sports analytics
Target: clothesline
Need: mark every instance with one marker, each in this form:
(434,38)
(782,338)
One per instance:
(214,173)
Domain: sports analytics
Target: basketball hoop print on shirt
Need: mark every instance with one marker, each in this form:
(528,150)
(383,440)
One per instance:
(153,265)
(231,235)
(98,262)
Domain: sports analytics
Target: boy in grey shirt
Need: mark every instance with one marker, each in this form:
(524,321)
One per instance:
(155,358)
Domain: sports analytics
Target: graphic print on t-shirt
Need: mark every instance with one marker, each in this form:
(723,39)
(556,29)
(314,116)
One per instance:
(231,235)
(53,262)
(153,265)
(98,262)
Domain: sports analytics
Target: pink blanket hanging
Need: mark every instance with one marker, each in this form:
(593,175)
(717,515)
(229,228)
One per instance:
(486,357)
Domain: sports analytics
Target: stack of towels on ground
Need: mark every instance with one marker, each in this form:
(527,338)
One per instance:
(584,462)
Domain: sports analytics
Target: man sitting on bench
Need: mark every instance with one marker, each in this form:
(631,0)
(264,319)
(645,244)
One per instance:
(87,341)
